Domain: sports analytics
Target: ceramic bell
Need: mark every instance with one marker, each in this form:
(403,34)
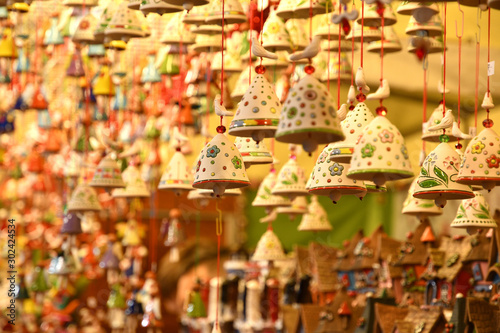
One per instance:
(177,176)
(124,24)
(233,12)
(71,224)
(265,198)
(53,35)
(232,62)
(158,7)
(232,192)
(135,187)
(315,219)
(344,67)
(107,174)
(303,8)
(253,153)
(380,154)
(285,9)
(437,179)
(75,68)
(258,112)
(481,161)
(424,10)
(103,84)
(327,28)
(431,28)
(297,31)
(197,15)
(391,42)
(291,180)
(474,214)
(372,18)
(421,208)
(275,36)
(435,119)
(298,207)
(205,43)
(220,166)
(83,199)
(7,46)
(103,22)
(176,32)
(269,248)
(370,34)
(188,4)
(495,4)
(308,116)
(329,178)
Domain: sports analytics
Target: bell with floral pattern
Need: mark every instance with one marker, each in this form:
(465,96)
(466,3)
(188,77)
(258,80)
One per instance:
(269,248)
(107,174)
(83,199)
(438,177)
(265,198)
(298,208)
(275,36)
(329,178)
(474,214)
(305,8)
(220,166)
(253,153)
(233,12)
(316,218)
(481,162)
(124,24)
(380,154)
(291,180)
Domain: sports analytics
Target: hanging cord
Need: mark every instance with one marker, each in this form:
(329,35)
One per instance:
(382,51)
(362,30)
(311,20)
(478,49)
(352,49)
(218,231)
(181,80)
(222,66)
(250,34)
(489,59)
(328,60)
(261,26)
(444,65)
(459,37)
(425,65)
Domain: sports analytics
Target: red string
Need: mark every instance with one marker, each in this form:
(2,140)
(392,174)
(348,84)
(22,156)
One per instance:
(352,54)
(477,83)
(328,58)
(339,53)
(489,48)
(382,51)
(250,43)
(222,66)
(218,278)
(209,80)
(424,102)
(459,78)
(310,19)
(180,76)
(444,64)
(362,30)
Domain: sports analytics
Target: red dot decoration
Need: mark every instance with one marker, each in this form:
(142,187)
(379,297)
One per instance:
(260,69)
(221,129)
(309,69)
(488,123)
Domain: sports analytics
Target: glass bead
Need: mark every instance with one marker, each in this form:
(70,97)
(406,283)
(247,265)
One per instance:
(309,69)
(351,107)
(260,69)
(488,123)
(381,110)
(361,97)
(221,129)
(458,146)
(444,138)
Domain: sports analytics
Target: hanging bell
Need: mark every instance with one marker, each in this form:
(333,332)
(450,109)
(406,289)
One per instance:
(253,153)
(269,248)
(107,174)
(53,35)
(135,187)
(291,180)
(158,7)
(275,36)
(176,32)
(220,167)
(315,219)
(380,154)
(258,112)
(474,214)
(150,73)
(84,198)
(177,177)
(308,116)
(124,24)
(437,179)
(233,13)
(265,198)
(421,208)
(298,208)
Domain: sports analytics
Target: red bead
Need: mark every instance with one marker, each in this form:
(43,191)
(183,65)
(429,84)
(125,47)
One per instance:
(361,97)
(488,123)
(380,9)
(346,27)
(381,110)
(309,69)
(351,107)
(458,146)
(420,52)
(221,129)
(260,69)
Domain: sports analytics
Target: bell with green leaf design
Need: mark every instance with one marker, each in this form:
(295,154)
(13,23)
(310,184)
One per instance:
(421,208)
(473,214)
(438,175)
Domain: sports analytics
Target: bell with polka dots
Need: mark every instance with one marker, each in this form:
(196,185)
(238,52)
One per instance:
(269,248)
(258,112)
(220,167)
(124,24)
(380,154)
(474,214)
(481,162)
(253,153)
(421,208)
(353,125)
(177,177)
(329,178)
(308,117)
(438,177)
(316,218)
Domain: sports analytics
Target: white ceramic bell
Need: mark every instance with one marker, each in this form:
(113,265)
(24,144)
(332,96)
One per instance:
(84,199)
(107,174)
(177,176)
(315,219)
(474,214)
(421,208)
(265,198)
(253,153)
(269,248)
(291,180)
(135,187)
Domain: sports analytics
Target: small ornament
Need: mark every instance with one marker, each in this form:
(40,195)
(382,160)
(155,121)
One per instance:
(83,199)
(316,218)
(253,153)
(269,248)
(291,180)
(124,24)
(158,7)
(265,198)
(107,174)
(233,13)
(474,214)
(421,208)
(135,187)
